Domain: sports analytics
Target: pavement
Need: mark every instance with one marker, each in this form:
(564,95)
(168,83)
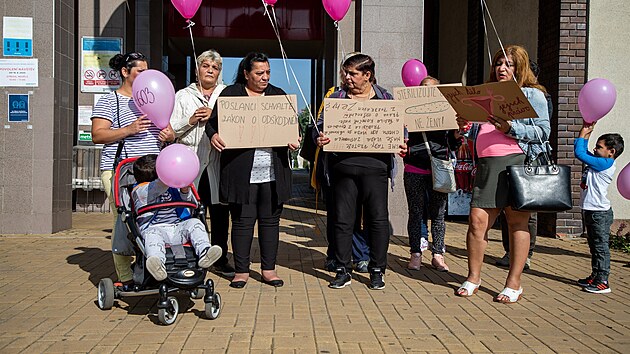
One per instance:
(48,292)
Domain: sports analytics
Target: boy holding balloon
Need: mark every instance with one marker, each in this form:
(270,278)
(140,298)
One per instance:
(597,212)
(172,226)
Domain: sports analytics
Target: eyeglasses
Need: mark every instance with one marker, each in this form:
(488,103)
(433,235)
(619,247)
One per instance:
(134,56)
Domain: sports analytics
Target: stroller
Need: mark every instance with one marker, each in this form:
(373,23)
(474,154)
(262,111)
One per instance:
(181,261)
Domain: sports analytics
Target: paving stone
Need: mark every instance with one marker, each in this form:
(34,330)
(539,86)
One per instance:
(416,312)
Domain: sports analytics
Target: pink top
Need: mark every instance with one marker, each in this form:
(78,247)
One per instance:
(492,142)
(416,170)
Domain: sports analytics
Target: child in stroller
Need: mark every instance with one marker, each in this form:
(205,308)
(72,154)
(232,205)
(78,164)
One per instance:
(160,222)
(173,226)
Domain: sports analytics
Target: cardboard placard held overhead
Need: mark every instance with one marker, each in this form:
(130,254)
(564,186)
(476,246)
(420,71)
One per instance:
(426,108)
(501,99)
(368,126)
(262,121)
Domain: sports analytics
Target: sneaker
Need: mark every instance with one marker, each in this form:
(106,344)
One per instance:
(342,279)
(598,287)
(415,262)
(156,267)
(330,265)
(438,263)
(362,266)
(528,263)
(376,279)
(209,256)
(224,269)
(586,281)
(503,261)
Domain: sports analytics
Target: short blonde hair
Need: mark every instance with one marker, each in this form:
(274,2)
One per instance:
(211,55)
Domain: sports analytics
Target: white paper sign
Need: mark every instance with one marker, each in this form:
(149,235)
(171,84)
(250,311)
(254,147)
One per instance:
(18,73)
(84,113)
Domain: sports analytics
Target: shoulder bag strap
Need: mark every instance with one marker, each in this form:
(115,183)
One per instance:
(426,143)
(122,142)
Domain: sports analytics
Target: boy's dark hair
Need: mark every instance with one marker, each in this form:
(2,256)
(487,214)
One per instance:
(144,168)
(613,141)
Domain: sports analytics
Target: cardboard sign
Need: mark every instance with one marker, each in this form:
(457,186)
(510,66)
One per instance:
(262,121)
(363,126)
(501,99)
(426,108)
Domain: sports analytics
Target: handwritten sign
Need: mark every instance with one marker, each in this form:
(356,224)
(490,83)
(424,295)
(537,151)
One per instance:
(426,108)
(369,126)
(501,99)
(264,121)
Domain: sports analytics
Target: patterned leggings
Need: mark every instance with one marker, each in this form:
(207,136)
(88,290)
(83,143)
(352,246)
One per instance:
(417,187)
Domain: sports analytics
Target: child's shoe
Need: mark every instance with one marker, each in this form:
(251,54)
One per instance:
(586,281)
(156,267)
(598,287)
(209,256)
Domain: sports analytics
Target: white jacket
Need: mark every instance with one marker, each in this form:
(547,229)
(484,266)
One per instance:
(187,100)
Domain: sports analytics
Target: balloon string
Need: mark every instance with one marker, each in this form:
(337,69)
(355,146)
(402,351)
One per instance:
(340,38)
(484,6)
(192,41)
(277,30)
(284,60)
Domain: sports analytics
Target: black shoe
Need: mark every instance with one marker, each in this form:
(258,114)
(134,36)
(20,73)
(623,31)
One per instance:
(330,265)
(224,269)
(586,281)
(376,279)
(342,279)
(598,287)
(238,284)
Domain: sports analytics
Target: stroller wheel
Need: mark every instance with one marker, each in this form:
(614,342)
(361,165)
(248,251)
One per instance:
(213,308)
(198,293)
(168,315)
(105,296)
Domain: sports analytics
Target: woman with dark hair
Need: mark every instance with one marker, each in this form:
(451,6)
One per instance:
(125,132)
(255,182)
(500,143)
(359,179)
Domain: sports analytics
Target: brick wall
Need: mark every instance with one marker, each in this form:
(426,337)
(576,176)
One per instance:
(562,56)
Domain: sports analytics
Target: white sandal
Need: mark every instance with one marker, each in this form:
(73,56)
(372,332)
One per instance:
(512,295)
(470,287)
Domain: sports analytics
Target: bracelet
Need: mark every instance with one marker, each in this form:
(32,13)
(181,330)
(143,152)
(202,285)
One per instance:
(465,129)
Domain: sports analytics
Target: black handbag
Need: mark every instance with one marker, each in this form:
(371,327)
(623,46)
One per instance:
(307,152)
(540,188)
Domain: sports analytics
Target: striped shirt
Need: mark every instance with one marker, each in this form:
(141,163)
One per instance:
(135,145)
(157,192)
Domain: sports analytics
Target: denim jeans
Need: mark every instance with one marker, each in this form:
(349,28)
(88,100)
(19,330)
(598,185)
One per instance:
(598,230)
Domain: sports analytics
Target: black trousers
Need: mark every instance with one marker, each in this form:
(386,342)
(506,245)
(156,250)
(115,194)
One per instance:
(532,225)
(263,207)
(219,219)
(356,186)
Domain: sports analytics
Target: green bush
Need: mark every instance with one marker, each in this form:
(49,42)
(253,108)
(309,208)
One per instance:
(620,240)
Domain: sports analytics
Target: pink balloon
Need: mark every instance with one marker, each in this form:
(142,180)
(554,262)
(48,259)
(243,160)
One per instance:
(413,71)
(596,99)
(623,182)
(177,165)
(187,8)
(154,94)
(337,9)
(270,2)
